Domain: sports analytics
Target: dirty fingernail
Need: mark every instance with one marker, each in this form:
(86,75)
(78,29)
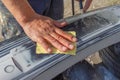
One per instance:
(64,48)
(71,46)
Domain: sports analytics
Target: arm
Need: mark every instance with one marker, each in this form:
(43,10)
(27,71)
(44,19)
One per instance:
(40,29)
(20,9)
(87,4)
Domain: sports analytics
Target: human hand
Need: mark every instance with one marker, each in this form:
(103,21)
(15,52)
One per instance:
(45,32)
(87,4)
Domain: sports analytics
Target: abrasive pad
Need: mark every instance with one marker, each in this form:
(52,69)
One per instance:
(40,49)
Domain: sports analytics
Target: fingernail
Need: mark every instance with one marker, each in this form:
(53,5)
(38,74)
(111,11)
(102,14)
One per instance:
(74,39)
(49,50)
(71,46)
(64,48)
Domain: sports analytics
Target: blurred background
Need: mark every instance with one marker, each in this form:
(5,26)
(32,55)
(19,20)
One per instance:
(96,4)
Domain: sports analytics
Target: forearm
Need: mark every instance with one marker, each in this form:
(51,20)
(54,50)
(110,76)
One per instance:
(20,9)
(87,4)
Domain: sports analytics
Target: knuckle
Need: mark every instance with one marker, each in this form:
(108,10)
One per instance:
(43,31)
(59,38)
(47,29)
(54,41)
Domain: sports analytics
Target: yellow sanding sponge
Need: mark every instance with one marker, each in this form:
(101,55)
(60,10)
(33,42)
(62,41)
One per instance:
(40,49)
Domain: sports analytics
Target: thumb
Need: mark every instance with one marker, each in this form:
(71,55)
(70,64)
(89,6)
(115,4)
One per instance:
(60,24)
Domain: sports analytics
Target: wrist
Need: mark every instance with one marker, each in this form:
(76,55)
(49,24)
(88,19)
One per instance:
(25,19)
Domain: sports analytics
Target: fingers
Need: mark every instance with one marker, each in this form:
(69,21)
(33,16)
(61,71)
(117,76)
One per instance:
(44,44)
(62,40)
(66,35)
(63,23)
(55,43)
